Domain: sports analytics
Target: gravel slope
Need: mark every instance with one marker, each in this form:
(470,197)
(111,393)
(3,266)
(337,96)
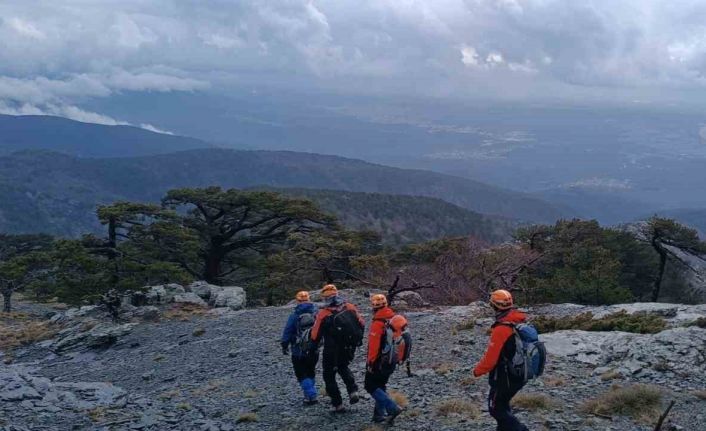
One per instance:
(177,379)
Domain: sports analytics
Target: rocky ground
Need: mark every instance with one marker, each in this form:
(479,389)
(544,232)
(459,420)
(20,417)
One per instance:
(222,369)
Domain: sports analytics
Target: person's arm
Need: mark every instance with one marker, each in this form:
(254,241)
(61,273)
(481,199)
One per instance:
(374,341)
(290,329)
(289,333)
(316,330)
(357,314)
(498,337)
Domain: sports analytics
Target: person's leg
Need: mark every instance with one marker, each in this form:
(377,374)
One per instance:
(344,360)
(308,374)
(372,384)
(329,375)
(499,407)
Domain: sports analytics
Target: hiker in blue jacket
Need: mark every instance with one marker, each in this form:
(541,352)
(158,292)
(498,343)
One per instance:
(305,353)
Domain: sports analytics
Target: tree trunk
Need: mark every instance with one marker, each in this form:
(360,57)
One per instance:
(212,268)
(660,276)
(7,297)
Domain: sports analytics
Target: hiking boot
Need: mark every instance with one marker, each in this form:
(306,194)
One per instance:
(354,397)
(391,415)
(378,419)
(338,409)
(310,402)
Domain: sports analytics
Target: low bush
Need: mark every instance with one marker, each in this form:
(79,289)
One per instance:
(458,406)
(247,417)
(640,323)
(640,402)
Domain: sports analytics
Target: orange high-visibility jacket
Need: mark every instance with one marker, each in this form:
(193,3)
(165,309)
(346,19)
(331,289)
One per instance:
(377,331)
(499,335)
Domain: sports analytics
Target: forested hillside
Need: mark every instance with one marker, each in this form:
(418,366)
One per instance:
(55,193)
(407,219)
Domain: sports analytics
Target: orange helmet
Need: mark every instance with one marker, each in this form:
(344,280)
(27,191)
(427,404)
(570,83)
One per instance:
(328,291)
(501,299)
(302,296)
(378,301)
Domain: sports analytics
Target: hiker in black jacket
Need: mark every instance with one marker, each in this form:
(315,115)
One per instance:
(340,342)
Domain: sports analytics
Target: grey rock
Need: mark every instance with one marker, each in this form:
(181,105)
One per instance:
(188,298)
(232,297)
(100,336)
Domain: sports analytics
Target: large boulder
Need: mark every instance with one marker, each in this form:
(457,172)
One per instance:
(189,298)
(678,349)
(83,337)
(202,289)
(163,294)
(232,297)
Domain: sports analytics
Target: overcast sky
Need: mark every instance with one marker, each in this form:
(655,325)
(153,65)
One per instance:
(57,54)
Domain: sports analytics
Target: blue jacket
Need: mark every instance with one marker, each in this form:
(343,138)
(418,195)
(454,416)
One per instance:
(289,336)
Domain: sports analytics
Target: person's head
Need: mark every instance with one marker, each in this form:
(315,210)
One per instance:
(329,292)
(302,297)
(378,301)
(501,300)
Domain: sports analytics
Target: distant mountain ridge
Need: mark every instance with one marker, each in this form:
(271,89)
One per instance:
(30,132)
(407,219)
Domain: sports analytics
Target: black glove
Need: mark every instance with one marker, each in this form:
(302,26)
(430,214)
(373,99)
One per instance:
(285,348)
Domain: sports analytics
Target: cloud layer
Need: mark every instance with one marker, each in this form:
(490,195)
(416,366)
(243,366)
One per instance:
(57,53)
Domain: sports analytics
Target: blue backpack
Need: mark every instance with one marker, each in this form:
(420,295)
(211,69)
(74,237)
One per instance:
(530,353)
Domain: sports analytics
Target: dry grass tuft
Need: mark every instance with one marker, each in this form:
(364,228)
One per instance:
(554,382)
(610,375)
(24,332)
(531,401)
(640,402)
(247,417)
(170,394)
(184,406)
(211,386)
(444,368)
(466,325)
(700,394)
(97,414)
(458,406)
(185,312)
(399,398)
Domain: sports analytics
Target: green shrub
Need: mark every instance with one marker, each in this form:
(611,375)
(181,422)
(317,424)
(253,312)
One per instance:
(640,323)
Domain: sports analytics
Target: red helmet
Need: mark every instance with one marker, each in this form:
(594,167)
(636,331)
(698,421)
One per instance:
(501,299)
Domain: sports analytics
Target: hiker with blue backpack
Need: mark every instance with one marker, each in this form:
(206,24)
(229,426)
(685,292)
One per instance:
(389,344)
(305,353)
(514,355)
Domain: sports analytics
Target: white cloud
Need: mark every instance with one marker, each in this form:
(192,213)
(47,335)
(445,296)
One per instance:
(64,52)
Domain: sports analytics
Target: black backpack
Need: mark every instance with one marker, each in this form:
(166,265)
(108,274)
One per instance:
(303,339)
(346,329)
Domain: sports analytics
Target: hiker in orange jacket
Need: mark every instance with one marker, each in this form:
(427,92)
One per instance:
(378,374)
(503,386)
(341,327)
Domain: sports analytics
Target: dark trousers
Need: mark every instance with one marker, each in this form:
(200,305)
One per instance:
(305,366)
(502,390)
(376,380)
(336,360)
